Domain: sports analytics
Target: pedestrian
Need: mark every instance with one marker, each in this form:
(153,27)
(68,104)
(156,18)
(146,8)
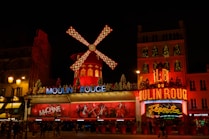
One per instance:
(150,127)
(76,128)
(162,130)
(16,129)
(43,129)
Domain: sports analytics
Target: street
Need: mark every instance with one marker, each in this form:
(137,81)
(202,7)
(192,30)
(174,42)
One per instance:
(87,135)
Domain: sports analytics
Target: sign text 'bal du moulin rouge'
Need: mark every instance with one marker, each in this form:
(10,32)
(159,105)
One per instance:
(163,93)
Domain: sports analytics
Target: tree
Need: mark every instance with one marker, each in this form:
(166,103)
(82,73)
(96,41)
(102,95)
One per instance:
(123,79)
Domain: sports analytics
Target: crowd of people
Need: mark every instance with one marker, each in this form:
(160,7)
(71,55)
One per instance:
(11,129)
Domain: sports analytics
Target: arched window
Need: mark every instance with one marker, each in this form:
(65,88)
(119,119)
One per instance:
(145,68)
(90,72)
(96,73)
(176,50)
(83,72)
(145,52)
(177,65)
(166,51)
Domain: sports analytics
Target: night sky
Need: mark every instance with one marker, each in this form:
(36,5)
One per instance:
(119,45)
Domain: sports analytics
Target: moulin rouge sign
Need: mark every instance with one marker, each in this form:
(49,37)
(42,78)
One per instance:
(83,89)
(163,93)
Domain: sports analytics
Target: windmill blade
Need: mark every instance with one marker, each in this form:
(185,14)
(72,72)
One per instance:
(76,66)
(111,63)
(72,32)
(106,30)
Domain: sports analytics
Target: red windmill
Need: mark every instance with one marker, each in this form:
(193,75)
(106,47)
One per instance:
(88,66)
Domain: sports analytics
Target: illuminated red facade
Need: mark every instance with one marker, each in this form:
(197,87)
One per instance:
(90,72)
(41,56)
(162,61)
(165,89)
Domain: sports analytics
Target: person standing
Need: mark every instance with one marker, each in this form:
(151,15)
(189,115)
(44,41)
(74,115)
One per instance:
(150,127)
(43,129)
(162,129)
(16,129)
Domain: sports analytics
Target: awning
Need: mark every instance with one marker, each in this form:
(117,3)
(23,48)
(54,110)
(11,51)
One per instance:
(49,119)
(14,105)
(1,105)
(77,119)
(3,115)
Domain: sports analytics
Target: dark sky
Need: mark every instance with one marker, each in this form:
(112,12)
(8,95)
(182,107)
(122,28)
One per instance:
(119,45)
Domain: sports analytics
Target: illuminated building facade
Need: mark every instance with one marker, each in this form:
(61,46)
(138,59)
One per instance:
(32,63)
(90,72)
(166,90)
(198,96)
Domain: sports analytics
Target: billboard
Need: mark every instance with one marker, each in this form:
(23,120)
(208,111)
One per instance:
(103,110)
(50,110)
(164,110)
(85,110)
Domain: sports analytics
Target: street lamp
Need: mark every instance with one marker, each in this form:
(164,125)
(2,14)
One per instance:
(10,81)
(138,83)
(138,108)
(18,82)
(27,102)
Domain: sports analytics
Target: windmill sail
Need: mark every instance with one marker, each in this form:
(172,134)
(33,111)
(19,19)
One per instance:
(92,48)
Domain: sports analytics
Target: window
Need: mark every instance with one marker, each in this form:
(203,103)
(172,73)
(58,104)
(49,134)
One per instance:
(154,51)
(96,73)
(154,65)
(204,103)
(145,52)
(192,85)
(18,91)
(193,104)
(176,50)
(167,65)
(202,85)
(166,51)
(2,91)
(177,66)
(90,72)
(145,68)
(83,72)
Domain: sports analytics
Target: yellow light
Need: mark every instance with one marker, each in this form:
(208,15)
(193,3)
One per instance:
(111,63)
(137,71)
(103,34)
(10,79)
(18,81)
(2,99)
(13,105)
(1,105)
(3,115)
(15,98)
(92,47)
(72,32)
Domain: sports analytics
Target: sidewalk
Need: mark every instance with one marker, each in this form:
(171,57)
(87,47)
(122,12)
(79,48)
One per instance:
(72,133)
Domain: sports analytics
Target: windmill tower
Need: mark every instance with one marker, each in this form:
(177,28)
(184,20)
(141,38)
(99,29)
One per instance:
(88,65)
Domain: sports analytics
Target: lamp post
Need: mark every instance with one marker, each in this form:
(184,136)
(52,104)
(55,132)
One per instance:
(27,105)
(10,81)
(138,104)
(138,72)
(26,118)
